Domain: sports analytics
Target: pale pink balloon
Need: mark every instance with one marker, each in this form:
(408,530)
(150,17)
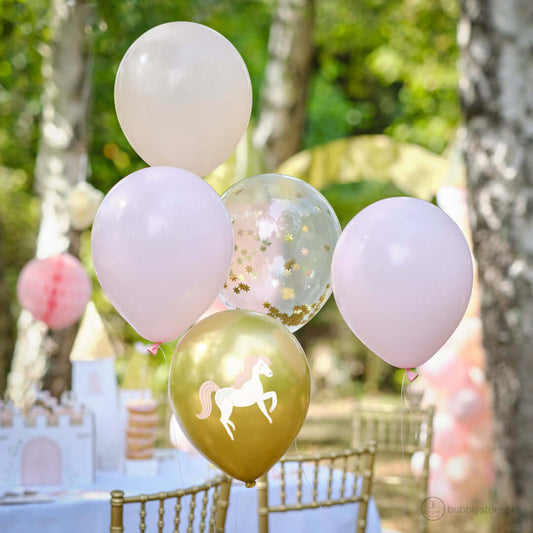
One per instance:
(162,244)
(402,278)
(459,468)
(440,487)
(446,371)
(54,290)
(417,463)
(215,307)
(449,437)
(472,476)
(468,406)
(480,437)
(183,96)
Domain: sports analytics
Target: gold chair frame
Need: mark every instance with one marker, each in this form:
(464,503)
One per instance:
(400,432)
(219,488)
(363,466)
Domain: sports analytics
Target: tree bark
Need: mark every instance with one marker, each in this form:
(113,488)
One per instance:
(284,94)
(61,163)
(496,40)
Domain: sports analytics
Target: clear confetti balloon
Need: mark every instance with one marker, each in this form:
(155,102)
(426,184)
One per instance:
(285,232)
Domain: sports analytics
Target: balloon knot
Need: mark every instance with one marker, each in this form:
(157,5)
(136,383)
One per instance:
(250,484)
(411,374)
(154,347)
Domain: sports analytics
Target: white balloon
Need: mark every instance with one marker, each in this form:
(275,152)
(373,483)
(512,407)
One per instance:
(183,97)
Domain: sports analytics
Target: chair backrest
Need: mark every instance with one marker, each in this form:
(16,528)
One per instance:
(333,478)
(399,433)
(205,505)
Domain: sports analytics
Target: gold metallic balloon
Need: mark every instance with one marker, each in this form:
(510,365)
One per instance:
(239,386)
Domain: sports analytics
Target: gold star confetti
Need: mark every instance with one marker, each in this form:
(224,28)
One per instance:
(289,264)
(249,269)
(236,290)
(287,293)
(233,277)
(326,247)
(304,251)
(296,267)
(244,251)
(241,277)
(266,305)
(235,247)
(239,261)
(240,232)
(250,232)
(244,287)
(305,229)
(309,273)
(289,237)
(225,285)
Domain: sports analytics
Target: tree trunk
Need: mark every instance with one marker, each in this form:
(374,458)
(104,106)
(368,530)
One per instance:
(61,163)
(496,37)
(284,95)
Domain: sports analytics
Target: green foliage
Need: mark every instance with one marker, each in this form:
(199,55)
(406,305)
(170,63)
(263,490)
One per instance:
(347,199)
(22,32)
(394,62)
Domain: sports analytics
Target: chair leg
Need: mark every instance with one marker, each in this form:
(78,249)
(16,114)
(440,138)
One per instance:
(366,489)
(222,506)
(117,508)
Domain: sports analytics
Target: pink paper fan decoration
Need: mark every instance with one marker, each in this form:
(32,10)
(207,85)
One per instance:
(54,290)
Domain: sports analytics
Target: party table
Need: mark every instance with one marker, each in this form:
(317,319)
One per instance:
(87,509)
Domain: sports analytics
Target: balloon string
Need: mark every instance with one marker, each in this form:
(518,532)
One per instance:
(164,355)
(310,485)
(153,349)
(403,400)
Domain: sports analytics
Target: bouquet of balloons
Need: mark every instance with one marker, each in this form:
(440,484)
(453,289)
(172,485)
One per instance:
(165,245)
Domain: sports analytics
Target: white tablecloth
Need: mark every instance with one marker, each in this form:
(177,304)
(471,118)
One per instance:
(87,509)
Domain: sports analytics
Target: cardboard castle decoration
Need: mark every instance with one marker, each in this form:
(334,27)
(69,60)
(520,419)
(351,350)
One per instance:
(52,444)
(94,383)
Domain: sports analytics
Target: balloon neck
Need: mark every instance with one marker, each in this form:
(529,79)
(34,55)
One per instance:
(154,347)
(411,374)
(250,484)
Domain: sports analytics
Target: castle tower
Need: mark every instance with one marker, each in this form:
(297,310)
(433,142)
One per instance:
(94,383)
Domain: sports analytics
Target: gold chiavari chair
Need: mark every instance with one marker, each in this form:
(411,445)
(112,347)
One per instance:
(399,433)
(349,480)
(213,496)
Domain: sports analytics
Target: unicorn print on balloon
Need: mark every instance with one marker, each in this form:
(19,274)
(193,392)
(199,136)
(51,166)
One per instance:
(246,390)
